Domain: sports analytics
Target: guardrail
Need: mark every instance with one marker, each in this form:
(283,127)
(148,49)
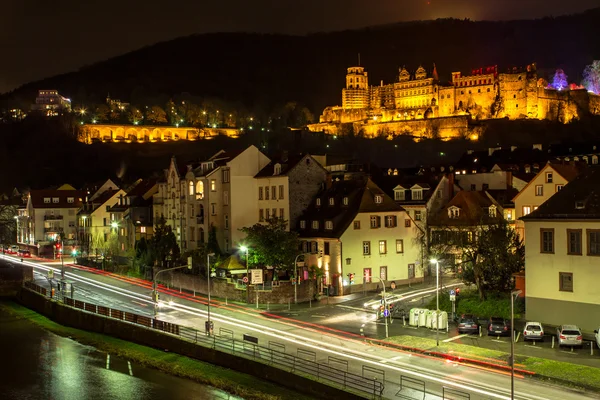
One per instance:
(303,363)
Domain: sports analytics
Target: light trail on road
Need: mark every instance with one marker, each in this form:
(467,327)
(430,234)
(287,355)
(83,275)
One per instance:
(423,373)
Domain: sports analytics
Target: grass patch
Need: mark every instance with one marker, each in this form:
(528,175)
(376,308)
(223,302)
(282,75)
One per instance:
(496,305)
(234,382)
(576,375)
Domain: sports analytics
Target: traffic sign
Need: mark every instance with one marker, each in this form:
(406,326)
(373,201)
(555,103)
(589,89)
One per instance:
(452,292)
(245,279)
(257,276)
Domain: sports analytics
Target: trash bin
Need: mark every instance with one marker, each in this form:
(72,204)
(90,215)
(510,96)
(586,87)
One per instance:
(413,319)
(422,317)
(429,318)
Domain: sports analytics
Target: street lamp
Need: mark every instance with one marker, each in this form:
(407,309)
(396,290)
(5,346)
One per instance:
(17,221)
(513,294)
(296,277)
(437,301)
(245,249)
(84,218)
(208,327)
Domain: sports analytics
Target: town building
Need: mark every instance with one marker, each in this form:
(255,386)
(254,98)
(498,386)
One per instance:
(218,195)
(550,179)
(354,236)
(51,103)
(51,215)
(561,257)
(287,186)
(95,220)
(456,225)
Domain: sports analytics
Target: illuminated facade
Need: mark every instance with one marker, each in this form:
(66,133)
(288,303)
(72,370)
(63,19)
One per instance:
(90,133)
(485,93)
(51,103)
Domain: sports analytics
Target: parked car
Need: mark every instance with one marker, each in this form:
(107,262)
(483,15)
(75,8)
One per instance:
(597,334)
(24,253)
(498,326)
(533,331)
(467,323)
(13,249)
(569,335)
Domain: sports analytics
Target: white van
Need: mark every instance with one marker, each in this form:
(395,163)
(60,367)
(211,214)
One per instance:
(597,332)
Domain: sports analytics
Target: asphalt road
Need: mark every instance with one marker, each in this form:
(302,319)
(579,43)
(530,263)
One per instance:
(309,331)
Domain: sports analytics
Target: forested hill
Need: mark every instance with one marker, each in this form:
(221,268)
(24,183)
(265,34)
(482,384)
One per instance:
(260,71)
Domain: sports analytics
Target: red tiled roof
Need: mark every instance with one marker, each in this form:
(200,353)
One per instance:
(38,196)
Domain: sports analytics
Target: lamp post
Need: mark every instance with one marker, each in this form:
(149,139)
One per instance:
(209,324)
(17,221)
(245,249)
(296,277)
(84,218)
(437,301)
(513,294)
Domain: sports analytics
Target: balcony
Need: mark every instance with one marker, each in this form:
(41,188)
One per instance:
(53,217)
(53,229)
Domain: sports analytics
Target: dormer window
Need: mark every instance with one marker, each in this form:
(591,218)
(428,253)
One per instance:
(318,202)
(70,200)
(399,194)
(55,200)
(329,225)
(378,199)
(492,211)
(303,224)
(453,212)
(331,201)
(315,224)
(579,205)
(417,194)
(46,200)
(277,169)
(345,201)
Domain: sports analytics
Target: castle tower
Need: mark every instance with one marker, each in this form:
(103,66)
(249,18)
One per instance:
(357,78)
(356,93)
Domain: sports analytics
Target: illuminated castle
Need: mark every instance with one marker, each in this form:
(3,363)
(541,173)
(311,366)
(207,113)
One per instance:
(421,105)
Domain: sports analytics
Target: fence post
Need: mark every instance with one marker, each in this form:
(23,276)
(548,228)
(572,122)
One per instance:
(267,306)
(289,305)
(256,300)
(225,300)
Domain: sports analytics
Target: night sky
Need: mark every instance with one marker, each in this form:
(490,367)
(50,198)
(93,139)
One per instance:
(42,38)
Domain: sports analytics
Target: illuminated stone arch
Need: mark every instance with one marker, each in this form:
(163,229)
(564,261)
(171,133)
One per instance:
(131,134)
(166,135)
(156,135)
(106,134)
(143,135)
(119,134)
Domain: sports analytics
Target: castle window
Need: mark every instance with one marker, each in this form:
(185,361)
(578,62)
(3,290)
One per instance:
(488,90)
(478,90)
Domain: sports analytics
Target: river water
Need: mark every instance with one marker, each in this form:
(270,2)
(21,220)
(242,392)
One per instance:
(37,364)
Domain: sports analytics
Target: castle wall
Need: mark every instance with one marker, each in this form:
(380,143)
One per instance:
(513,89)
(444,128)
(89,133)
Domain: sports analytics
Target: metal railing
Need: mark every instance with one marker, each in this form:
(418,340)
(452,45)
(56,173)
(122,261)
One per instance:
(303,363)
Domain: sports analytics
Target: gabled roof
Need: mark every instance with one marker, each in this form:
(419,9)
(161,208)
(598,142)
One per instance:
(287,165)
(142,188)
(37,198)
(473,207)
(361,199)
(100,201)
(398,182)
(568,171)
(579,199)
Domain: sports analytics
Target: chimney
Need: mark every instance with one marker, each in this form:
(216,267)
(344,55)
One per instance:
(513,148)
(491,151)
(537,146)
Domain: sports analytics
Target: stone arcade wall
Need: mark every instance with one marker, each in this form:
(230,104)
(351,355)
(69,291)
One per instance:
(90,133)
(75,318)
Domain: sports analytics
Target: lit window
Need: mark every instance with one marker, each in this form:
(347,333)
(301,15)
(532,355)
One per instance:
(318,202)
(302,224)
(526,210)
(492,211)
(417,194)
(329,225)
(315,224)
(70,200)
(345,201)
(199,190)
(378,199)
(382,247)
(366,248)
(55,200)
(142,229)
(213,185)
(331,201)
(191,190)
(399,246)
(417,215)
(46,200)
(539,190)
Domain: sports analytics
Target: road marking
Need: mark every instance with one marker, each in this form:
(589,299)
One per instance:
(498,341)
(535,347)
(352,308)
(455,337)
(318,316)
(141,304)
(129,365)
(384,360)
(107,361)
(567,352)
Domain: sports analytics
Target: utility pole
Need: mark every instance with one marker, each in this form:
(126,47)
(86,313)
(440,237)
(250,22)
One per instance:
(209,325)
(513,294)
(296,277)
(155,284)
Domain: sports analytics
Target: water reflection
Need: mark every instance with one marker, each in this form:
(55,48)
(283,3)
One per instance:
(40,365)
